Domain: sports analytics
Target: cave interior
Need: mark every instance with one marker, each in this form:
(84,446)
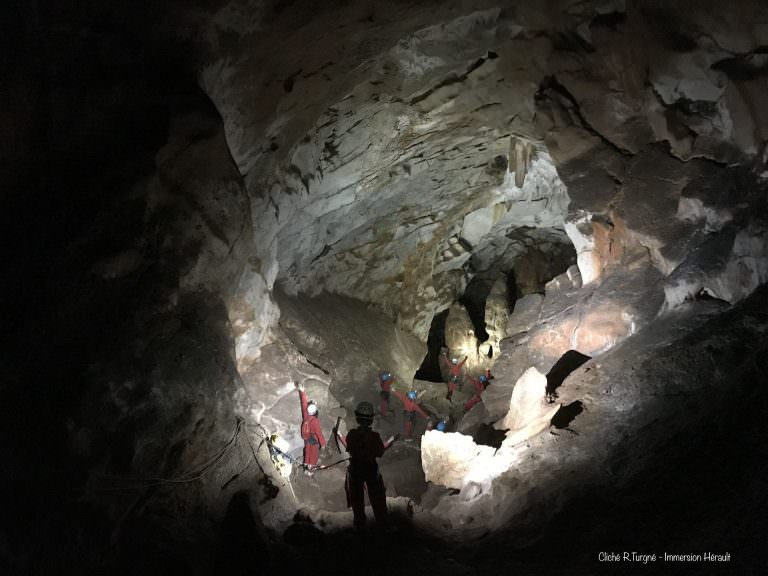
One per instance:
(207,203)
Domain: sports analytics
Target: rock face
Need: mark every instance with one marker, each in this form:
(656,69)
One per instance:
(448,458)
(529,414)
(399,180)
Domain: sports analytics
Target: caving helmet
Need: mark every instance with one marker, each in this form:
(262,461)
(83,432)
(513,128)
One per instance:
(454,361)
(386,376)
(441,426)
(364,413)
(412,395)
(483,378)
(312,408)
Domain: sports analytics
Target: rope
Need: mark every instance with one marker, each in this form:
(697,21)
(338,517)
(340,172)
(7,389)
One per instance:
(288,457)
(202,469)
(187,477)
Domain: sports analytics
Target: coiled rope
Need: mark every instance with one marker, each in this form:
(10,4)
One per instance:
(139,483)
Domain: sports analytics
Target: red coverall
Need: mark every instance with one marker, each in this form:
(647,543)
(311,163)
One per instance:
(311,432)
(364,446)
(479,389)
(386,388)
(409,415)
(454,374)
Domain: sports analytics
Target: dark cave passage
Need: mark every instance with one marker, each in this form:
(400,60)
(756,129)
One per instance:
(430,368)
(473,300)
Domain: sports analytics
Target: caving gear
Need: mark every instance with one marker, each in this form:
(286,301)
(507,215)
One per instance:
(479,384)
(311,431)
(410,407)
(385,381)
(364,447)
(364,413)
(441,426)
(278,453)
(454,374)
(335,433)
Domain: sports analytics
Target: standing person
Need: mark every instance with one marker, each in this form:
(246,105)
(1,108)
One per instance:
(410,407)
(364,446)
(454,373)
(311,431)
(385,381)
(480,385)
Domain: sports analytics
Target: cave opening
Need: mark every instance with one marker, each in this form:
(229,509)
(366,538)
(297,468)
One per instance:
(473,300)
(564,366)
(430,367)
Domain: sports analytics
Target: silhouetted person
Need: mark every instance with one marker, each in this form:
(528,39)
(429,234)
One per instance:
(364,447)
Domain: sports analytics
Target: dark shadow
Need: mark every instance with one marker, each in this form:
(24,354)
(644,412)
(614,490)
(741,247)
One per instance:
(305,537)
(567,363)
(487,435)
(473,300)
(567,414)
(430,367)
(512,293)
(240,551)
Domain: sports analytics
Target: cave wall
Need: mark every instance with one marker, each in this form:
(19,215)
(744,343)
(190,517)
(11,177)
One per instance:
(405,173)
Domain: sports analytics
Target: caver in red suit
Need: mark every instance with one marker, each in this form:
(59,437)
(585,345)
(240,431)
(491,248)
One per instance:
(454,374)
(364,447)
(311,432)
(479,384)
(385,381)
(410,408)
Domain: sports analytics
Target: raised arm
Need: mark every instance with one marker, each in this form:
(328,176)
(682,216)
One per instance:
(462,362)
(303,400)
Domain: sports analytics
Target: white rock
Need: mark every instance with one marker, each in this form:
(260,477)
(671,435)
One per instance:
(448,458)
(528,401)
(579,231)
(477,224)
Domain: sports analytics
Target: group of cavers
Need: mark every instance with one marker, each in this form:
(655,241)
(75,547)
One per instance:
(365,445)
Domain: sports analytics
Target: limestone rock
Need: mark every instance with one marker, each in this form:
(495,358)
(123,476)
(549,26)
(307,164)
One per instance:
(525,314)
(447,458)
(528,412)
